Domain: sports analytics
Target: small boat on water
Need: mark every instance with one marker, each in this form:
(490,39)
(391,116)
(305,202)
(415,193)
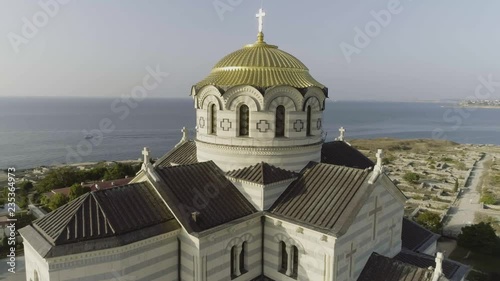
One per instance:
(89,136)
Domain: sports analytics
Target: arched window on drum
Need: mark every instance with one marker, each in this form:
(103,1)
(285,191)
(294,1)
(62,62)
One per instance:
(244,120)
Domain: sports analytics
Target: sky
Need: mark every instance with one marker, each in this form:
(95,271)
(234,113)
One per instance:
(415,50)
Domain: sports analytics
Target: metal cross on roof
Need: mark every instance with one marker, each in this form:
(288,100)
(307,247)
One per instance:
(342,134)
(145,152)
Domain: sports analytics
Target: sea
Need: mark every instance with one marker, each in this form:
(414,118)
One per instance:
(45,131)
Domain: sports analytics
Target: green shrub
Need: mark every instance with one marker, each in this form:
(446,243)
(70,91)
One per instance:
(488,199)
(411,177)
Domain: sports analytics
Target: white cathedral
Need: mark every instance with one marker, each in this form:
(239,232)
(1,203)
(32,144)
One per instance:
(257,195)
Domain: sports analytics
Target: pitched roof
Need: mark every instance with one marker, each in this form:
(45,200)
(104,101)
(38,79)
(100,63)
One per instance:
(342,154)
(451,269)
(415,237)
(202,188)
(324,197)
(262,173)
(104,213)
(183,154)
(380,268)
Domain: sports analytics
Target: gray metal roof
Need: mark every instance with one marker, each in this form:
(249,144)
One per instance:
(342,154)
(415,237)
(183,154)
(325,197)
(380,268)
(104,213)
(201,196)
(262,173)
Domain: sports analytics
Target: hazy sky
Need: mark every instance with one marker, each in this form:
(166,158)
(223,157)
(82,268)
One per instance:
(429,49)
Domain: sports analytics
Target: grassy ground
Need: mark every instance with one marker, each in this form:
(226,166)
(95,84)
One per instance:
(479,262)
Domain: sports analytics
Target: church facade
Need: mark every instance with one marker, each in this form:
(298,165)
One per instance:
(258,194)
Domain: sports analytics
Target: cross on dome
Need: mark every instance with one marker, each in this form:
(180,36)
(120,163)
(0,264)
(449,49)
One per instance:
(261,16)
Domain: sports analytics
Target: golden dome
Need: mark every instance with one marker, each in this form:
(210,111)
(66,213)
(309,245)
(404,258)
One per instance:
(260,65)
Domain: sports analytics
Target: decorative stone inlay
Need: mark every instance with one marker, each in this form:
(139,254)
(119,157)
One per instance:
(298,125)
(318,124)
(263,126)
(225,124)
(202,122)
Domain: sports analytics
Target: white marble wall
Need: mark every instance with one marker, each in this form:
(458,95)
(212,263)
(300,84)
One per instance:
(360,234)
(151,259)
(262,197)
(315,251)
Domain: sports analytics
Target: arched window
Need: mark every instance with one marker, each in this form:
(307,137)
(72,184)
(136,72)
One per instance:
(213,119)
(308,120)
(283,257)
(233,262)
(243,254)
(244,120)
(295,267)
(280,121)
(37,278)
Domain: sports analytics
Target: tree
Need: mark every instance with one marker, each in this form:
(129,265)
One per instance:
(411,177)
(431,221)
(119,171)
(58,178)
(26,186)
(77,190)
(481,238)
(57,201)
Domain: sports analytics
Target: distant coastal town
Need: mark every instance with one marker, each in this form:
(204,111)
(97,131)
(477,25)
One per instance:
(480,103)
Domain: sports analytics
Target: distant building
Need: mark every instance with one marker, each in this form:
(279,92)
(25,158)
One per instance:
(257,195)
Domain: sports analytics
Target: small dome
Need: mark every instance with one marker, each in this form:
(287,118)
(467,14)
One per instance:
(260,65)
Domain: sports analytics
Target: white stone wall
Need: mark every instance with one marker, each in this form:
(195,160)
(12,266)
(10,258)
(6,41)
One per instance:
(273,191)
(229,158)
(262,197)
(360,234)
(151,259)
(34,262)
(293,151)
(214,255)
(315,251)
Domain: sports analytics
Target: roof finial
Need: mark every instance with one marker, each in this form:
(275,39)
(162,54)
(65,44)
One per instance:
(260,16)
(184,134)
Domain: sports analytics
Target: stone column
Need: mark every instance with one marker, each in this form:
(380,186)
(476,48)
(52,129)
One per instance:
(237,260)
(289,264)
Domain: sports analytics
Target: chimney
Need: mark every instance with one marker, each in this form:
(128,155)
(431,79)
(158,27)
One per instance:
(194,216)
(96,186)
(438,272)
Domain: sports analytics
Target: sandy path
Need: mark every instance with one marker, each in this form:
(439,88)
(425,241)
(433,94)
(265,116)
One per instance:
(463,212)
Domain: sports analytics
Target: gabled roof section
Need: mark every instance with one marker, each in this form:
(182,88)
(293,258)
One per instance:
(201,196)
(342,154)
(262,173)
(324,197)
(452,270)
(183,154)
(415,237)
(104,213)
(380,268)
